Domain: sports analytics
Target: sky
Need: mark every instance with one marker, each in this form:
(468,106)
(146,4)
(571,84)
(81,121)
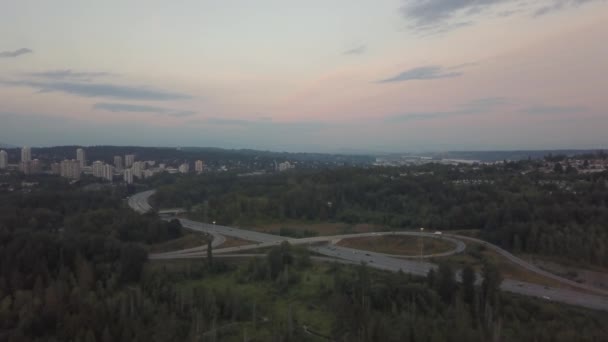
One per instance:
(317,76)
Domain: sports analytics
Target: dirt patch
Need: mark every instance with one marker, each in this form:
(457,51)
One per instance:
(234,242)
(399,244)
(188,240)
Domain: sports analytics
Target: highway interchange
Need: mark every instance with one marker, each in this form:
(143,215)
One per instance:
(592,298)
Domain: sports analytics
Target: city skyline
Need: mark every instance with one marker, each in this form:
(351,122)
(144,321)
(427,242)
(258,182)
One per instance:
(347,76)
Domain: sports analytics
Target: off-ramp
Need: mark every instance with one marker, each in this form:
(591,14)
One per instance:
(323,245)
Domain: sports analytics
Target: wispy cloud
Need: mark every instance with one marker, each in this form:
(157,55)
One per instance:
(422,73)
(359,50)
(99,90)
(558,5)
(541,110)
(477,106)
(67,74)
(126,107)
(16,53)
(266,125)
(427,14)
(445,15)
(487,102)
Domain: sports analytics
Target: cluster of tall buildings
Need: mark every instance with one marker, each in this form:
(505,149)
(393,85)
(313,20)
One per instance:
(129,168)
(28,165)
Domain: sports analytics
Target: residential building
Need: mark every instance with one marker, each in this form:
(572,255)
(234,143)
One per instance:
(81,157)
(199,166)
(3,159)
(56,169)
(285,166)
(26,154)
(70,169)
(97,168)
(36,166)
(118,162)
(25,167)
(108,172)
(138,168)
(184,168)
(129,160)
(128,176)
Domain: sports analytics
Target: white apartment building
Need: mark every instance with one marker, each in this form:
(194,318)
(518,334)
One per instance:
(128,176)
(108,172)
(97,168)
(138,168)
(26,154)
(199,166)
(81,157)
(129,160)
(70,169)
(184,168)
(286,166)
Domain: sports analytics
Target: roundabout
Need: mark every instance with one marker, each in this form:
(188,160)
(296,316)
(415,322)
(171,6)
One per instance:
(329,247)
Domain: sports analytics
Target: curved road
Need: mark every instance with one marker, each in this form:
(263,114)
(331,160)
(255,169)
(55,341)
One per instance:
(139,203)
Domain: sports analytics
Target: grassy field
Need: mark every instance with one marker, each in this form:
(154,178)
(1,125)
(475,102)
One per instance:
(398,244)
(271,305)
(320,229)
(562,261)
(188,240)
(476,253)
(234,242)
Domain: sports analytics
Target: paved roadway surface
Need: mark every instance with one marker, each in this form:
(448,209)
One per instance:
(139,202)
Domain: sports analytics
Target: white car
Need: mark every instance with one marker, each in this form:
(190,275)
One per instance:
(438,233)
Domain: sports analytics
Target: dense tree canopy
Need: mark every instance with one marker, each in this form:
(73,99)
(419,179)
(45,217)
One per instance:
(512,204)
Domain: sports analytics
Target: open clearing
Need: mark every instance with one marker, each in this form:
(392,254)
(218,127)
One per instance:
(188,240)
(475,254)
(320,229)
(234,242)
(399,244)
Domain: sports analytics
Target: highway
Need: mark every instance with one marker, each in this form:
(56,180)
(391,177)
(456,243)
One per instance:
(139,201)
(325,245)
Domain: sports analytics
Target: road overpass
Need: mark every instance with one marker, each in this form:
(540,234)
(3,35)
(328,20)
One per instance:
(594,298)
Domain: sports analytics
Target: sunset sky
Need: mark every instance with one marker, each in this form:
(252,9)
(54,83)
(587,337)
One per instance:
(322,76)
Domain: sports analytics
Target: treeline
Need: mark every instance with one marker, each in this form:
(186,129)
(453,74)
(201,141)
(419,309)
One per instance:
(359,304)
(245,159)
(512,204)
(70,263)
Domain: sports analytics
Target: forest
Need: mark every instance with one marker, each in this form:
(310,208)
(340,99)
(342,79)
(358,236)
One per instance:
(513,204)
(69,260)
(73,267)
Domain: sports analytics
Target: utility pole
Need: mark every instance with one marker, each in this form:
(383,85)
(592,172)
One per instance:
(421,242)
